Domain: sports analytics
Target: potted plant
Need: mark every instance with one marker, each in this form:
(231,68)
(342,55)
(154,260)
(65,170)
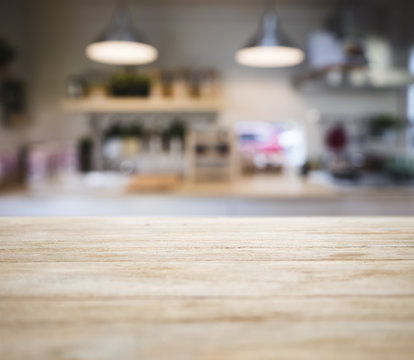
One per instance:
(174,135)
(132,140)
(382,124)
(129,83)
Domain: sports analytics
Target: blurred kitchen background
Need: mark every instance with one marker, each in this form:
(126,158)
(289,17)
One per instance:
(198,127)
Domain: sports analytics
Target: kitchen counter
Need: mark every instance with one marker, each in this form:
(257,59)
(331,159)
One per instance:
(206,288)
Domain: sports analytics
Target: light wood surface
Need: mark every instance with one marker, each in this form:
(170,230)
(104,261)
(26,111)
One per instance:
(281,288)
(140,105)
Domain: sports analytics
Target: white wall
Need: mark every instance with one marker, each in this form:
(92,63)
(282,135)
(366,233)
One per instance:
(198,33)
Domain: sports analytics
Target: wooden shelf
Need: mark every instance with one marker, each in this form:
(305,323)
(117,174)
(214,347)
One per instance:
(323,88)
(138,105)
(314,81)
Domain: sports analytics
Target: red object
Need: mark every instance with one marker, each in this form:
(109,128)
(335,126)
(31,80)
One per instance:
(336,139)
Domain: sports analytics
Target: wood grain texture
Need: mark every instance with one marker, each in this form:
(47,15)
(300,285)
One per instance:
(173,288)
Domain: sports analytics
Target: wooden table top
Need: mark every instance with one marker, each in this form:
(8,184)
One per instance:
(225,288)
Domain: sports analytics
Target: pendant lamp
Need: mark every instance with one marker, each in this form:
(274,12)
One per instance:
(269,47)
(121,43)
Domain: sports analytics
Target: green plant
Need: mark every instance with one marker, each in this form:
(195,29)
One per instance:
(128,83)
(114,131)
(134,131)
(177,129)
(382,123)
(118,130)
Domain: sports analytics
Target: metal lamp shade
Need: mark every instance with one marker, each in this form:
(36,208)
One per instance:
(121,44)
(269,47)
